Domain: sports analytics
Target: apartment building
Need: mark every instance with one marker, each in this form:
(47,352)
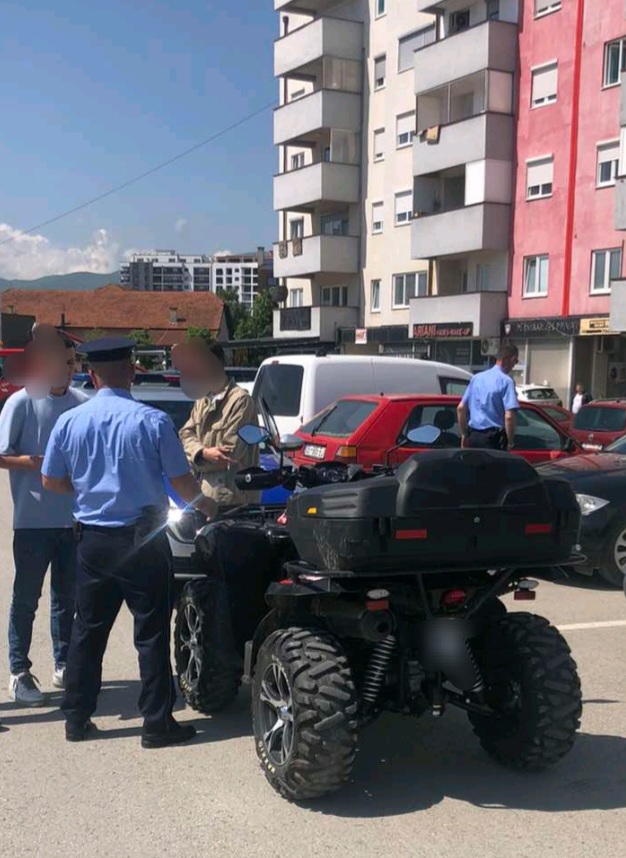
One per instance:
(167,271)
(243,272)
(344,189)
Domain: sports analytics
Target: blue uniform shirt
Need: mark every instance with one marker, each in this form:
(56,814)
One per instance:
(25,427)
(487,397)
(116,452)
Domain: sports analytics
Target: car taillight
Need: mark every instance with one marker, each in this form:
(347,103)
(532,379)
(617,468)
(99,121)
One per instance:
(346,453)
(537,529)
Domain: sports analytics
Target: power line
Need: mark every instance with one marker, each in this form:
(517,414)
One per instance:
(141,176)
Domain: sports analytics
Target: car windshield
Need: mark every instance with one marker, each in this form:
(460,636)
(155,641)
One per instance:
(599,418)
(341,420)
(538,393)
(557,414)
(618,446)
(280,385)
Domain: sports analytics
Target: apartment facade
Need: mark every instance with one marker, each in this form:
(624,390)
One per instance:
(246,273)
(167,271)
(344,187)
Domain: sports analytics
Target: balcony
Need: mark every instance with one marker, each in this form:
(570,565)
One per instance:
(320,322)
(301,190)
(489,136)
(299,52)
(304,257)
(620,204)
(305,120)
(463,230)
(306,7)
(490,45)
(483,310)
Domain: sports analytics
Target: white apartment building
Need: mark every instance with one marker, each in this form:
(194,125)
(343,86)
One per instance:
(344,190)
(239,272)
(167,271)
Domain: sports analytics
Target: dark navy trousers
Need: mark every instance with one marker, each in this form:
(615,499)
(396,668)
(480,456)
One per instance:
(112,569)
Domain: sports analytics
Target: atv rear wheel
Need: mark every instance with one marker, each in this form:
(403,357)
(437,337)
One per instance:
(207,680)
(304,709)
(532,683)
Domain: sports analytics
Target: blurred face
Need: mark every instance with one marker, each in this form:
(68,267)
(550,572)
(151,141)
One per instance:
(580,389)
(509,363)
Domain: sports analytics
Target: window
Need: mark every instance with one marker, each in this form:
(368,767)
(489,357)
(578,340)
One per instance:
(342,419)
(375,296)
(539,177)
(493,10)
(335,296)
(535,276)
(544,84)
(377,218)
(298,93)
(405,129)
(296,298)
(297,161)
(453,386)
(544,7)
(441,416)
(407,46)
(296,228)
(407,286)
(606,265)
(614,62)
(459,21)
(403,207)
(381,8)
(380,72)
(334,224)
(532,432)
(379,144)
(280,385)
(608,163)
(600,418)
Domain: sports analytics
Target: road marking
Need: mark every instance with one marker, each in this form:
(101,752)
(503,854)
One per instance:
(608,624)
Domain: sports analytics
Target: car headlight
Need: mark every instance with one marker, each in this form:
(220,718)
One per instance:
(589,504)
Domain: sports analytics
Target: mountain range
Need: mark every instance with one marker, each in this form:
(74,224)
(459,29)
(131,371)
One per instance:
(78,281)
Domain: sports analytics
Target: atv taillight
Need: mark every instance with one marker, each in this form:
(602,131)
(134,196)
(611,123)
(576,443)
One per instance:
(453,598)
(282,519)
(378,605)
(536,529)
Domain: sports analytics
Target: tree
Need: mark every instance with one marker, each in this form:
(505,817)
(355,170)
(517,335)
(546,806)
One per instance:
(235,311)
(203,333)
(260,322)
(143,338)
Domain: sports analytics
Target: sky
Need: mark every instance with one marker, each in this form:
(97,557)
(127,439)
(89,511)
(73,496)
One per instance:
(94,94)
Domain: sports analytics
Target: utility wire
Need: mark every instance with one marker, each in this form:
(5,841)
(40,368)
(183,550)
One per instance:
(144,175)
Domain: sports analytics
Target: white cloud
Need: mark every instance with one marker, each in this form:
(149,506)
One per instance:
(26,257)
(222,253)
(180,224)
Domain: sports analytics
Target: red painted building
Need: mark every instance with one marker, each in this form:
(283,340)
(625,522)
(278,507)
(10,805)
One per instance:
(565,248)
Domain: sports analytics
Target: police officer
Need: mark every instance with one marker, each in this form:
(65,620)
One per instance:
(487,413)
(113,453)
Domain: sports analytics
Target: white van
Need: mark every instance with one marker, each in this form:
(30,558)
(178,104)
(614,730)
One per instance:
(296,387)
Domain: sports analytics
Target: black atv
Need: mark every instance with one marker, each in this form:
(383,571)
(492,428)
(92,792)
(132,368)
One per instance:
(392,602)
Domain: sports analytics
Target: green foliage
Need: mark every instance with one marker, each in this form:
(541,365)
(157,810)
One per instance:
(235,311)
(203,333)
(143,338)
(258,323)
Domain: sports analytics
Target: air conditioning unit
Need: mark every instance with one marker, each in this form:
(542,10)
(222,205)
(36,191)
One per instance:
(489,346)
(459,21)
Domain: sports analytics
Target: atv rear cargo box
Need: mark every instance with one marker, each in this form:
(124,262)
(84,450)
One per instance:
(442,509)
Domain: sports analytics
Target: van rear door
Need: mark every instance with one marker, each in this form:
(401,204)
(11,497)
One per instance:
(280,385)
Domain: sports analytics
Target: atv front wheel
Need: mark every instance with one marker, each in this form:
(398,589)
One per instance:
(207,680)
(533,686)
(304,708)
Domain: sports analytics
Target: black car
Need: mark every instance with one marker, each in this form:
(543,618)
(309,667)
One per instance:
(599,481)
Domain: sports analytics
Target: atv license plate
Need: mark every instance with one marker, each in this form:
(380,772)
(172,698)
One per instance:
(314,451)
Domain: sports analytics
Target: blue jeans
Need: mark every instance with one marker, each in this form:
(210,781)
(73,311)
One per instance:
(34,551)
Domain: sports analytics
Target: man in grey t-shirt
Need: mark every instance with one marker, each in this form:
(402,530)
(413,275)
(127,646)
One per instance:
(43,526)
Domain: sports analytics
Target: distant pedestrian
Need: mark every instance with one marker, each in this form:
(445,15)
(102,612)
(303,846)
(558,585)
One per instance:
(581,397)
(113,455)
(488,411)
(43,534)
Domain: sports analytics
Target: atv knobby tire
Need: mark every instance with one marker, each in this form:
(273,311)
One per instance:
(207,678)
(532,682)
(312,754)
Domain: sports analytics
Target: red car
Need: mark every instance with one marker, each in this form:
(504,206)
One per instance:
(6,388)
(599,423)
(361,429)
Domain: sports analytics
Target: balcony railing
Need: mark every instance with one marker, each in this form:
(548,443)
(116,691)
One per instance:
(295,319)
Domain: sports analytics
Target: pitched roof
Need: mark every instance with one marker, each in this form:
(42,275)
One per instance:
(114,307)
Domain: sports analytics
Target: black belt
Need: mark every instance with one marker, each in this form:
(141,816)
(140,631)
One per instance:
(123,530)
(486,431)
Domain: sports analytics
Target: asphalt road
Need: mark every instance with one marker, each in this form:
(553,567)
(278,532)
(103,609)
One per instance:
(420,788)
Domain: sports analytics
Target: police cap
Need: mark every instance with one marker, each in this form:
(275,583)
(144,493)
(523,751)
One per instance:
(107,349)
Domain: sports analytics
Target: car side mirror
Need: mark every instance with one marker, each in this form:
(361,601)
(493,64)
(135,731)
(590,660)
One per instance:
(253,435)
(569,445)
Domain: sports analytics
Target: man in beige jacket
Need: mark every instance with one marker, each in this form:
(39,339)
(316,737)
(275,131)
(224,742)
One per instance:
(210,437)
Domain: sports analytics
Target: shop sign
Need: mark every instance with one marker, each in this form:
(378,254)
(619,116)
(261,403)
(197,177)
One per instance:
(455,330)
(360,336)
(541,327)
(596,327)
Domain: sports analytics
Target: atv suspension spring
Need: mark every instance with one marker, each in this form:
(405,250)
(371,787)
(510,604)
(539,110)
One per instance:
(377,669)
(479,685)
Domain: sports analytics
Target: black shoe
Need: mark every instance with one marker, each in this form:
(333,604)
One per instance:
(176,734)
(79,732)
(3,729)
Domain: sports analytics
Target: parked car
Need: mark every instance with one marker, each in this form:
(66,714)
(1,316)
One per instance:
(539,394)
(599,481)
(599,423)
(362,429)
(559,414)
(297,387)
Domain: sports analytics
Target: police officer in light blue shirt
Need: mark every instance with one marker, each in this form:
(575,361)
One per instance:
(113,454)
(487,413)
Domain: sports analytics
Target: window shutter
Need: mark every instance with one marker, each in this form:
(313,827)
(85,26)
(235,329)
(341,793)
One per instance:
(544,83)
(411,43)
(404,206)
(608,152)
(406,127)
(380,68)
(540,172)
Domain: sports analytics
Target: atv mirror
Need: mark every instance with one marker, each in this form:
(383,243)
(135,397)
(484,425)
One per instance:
(253,435)
(423,435)
(290,443)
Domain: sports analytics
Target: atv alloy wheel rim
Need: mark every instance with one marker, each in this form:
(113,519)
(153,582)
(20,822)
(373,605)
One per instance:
(191,646)
(276,714)
(619,551)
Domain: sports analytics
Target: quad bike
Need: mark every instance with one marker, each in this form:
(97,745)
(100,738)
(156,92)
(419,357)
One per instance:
(390,600)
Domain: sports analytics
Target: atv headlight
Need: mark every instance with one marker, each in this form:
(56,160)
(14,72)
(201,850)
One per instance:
(589,504)
(175,515)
